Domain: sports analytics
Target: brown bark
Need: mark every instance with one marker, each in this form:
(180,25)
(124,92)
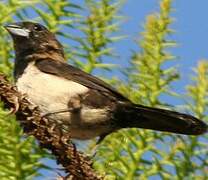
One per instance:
(75,163)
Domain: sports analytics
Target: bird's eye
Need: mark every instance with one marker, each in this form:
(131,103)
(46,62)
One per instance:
(38,27)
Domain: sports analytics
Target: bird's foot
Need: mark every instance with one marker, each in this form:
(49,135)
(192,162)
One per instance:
(15,107)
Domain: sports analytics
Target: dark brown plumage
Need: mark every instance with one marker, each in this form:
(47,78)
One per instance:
(82,104)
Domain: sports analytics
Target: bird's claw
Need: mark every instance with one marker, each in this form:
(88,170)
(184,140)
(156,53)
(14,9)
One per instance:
(15,107)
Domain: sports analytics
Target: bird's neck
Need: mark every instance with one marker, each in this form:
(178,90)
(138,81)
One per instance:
(30,55)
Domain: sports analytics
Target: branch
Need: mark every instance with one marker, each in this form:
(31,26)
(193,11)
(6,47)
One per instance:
(49,135)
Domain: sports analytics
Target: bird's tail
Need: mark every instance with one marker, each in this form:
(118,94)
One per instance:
(161,120)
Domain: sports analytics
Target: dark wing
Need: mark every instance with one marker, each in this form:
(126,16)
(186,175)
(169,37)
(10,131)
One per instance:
(72,73)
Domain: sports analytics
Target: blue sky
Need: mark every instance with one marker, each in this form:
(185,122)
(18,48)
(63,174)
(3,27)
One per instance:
(191,34)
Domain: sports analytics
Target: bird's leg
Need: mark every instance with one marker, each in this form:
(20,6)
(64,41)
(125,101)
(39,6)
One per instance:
(94,149)
(101,138)
(74,106)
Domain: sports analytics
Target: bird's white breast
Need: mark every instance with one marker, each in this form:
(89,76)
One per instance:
(52,93)
(47,91)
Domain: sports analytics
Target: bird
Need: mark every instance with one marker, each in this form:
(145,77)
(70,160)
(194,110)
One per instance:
(79,103)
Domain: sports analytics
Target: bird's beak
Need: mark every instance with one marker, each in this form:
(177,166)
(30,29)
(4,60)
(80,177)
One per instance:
(17,30)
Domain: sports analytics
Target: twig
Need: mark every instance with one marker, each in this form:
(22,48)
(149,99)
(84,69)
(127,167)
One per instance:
(76,164)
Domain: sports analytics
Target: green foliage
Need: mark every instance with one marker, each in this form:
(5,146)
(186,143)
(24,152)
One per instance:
(19,156)
(90,29)
(95,29)
(197,147)
(198,92)
(147,77)
(141,154)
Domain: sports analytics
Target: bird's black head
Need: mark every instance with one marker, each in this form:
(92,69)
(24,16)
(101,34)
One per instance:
(30,36)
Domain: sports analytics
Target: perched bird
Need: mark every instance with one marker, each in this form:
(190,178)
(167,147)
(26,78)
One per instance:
(80,103)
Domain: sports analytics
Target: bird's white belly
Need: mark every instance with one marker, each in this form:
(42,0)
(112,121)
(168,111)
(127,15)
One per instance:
(51,94)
